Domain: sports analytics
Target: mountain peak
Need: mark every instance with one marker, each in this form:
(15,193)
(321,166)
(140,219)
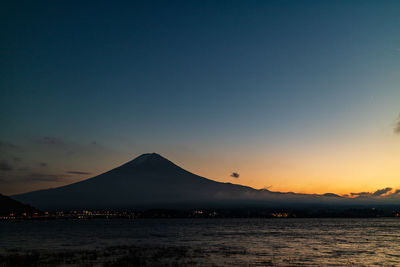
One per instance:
(149,159)
(148,156)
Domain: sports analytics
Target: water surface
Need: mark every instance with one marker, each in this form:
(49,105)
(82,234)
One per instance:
(221,241)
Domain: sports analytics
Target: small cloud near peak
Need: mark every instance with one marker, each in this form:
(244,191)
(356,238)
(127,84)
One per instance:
(397,127)
(235,175)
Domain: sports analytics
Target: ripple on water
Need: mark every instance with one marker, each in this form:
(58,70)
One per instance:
(256,242)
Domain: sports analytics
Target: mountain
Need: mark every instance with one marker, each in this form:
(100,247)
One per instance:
(151,181)
(10,206)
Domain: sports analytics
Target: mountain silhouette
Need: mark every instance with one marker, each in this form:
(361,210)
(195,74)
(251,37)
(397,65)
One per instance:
(149,180)
(10,206)
(152,181)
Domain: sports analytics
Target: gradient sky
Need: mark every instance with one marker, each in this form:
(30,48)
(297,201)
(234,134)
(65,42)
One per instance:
(293,95)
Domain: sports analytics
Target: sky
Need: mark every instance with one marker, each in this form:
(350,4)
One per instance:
(298,96)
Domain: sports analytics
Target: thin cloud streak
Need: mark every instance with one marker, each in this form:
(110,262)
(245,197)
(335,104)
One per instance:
(46,177)
(5,166)
(78,172)
(6,145)
(397,127)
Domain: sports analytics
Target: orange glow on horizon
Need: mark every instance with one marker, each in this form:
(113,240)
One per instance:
(344,168)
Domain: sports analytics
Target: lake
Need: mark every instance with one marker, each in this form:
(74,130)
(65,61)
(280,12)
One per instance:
(203,242)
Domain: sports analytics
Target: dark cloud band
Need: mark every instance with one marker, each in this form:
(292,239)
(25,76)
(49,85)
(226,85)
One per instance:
(78,172)
(5,166)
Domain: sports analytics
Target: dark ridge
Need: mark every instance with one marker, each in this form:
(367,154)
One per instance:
(152,181)
(10,206)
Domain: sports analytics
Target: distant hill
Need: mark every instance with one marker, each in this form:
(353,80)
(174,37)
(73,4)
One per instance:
(151,181)
(10,206)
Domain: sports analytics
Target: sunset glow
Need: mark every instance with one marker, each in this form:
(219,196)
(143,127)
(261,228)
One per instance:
(291,98)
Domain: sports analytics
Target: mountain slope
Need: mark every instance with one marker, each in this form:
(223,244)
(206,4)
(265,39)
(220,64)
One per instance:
(10,206)
(147,181)
(151,181)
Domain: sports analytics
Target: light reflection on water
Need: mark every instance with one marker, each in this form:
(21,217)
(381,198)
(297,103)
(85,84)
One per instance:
(233,241)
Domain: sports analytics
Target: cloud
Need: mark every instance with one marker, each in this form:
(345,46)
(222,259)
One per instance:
(381,192)
(51,141)
(43,177)
(4,166)
(16,183)
(34,177)
(78,172)
(55,143)
(63,147)
(235,175)
(6,145)
(384,192)
(397,127)
(43,164)
(361,194)
(397,192)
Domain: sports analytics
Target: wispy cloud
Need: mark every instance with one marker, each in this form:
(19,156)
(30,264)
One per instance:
(396,192)
(397,127)
(15,183)
(5,166)
(78,172)
(43,161)
(33,177)
(6,145)
(361,194)
(44,177)
(58,145)
(383,191)
(51,141)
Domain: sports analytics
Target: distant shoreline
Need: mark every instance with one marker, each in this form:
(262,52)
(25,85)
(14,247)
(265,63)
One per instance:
(383,212)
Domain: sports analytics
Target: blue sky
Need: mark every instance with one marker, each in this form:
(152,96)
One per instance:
(213,85)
